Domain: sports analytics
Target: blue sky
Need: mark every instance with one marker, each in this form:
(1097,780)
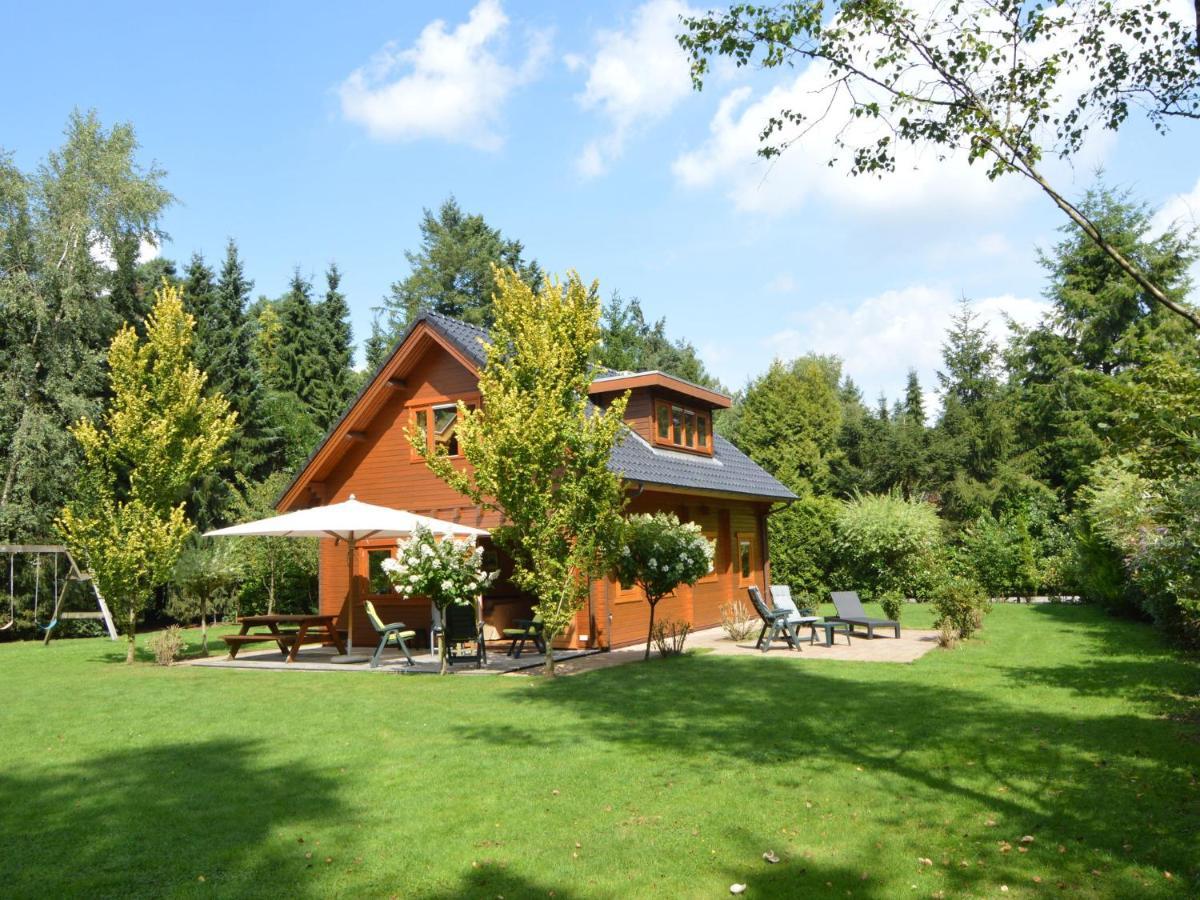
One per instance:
(311,136)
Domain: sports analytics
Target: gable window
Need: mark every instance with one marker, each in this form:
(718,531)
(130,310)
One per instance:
(680,426)
(439,423)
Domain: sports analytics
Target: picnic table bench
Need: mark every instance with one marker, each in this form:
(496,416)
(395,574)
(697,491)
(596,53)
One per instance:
(308,629)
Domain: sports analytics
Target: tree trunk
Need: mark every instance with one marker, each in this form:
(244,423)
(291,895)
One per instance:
(650,633)
(131,637)
(548,667)
(271,594)
(444,650)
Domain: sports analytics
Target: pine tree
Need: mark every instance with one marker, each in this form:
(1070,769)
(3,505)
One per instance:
(254,448)
(972,441)
(336,387)
(629,343)
(452,272)
(378,344)
(914,399)
(300,367)
(1101,327)
(200,302)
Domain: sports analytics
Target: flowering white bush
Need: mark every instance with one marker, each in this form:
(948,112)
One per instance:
(444,571)
(659,553)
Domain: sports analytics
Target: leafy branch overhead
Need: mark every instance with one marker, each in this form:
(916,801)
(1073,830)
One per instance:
(1007,83)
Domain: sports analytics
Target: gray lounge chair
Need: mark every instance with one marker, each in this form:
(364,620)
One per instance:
(781,598)
(850,610)
(775,621)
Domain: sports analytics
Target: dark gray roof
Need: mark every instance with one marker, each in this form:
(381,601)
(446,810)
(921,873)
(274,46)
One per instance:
(468,338)
(728,470)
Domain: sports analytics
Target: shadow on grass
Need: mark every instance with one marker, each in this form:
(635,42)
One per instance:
(790,878)
(1127,658)
(156,821)
(1070,776)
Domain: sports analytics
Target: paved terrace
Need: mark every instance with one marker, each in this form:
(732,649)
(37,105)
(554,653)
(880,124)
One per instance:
(911,645)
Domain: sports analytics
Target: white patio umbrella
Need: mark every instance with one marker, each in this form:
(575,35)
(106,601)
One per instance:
(349,521)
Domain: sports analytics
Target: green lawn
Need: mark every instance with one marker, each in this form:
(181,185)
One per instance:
(669,779)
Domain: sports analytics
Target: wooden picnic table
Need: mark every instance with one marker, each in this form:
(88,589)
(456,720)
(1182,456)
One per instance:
(308,629)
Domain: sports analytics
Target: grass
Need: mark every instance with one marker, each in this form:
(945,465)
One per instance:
(670,778)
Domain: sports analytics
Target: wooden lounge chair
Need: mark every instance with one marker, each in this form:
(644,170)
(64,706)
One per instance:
(775,621)
(850,610)
(395,632)
(460,626)
(525,630)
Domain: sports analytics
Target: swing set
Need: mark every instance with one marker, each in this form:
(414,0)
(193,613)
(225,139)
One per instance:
(60,586)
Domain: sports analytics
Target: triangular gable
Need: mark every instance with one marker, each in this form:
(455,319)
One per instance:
(388,378)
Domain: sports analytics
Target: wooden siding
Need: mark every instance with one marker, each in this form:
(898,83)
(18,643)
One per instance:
(701,603)
(379,466)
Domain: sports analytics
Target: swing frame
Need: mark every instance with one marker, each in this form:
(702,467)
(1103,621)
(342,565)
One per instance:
(74,573)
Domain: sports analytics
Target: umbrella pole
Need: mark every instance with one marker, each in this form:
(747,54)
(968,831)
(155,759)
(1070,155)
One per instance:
(353,595)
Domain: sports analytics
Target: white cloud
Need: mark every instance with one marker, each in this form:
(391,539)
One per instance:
(783,283)
(1181,211)
(922,183)
(101,251)
(882,337)
(450,84)
(930,182)
(636,77)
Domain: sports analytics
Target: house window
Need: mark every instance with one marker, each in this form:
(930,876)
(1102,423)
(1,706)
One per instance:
(711,575)
(377,580)
(681,426)
(439,424)
(746,561)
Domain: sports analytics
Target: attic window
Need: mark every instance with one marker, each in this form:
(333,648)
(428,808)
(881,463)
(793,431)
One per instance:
(440,425)
(681,426)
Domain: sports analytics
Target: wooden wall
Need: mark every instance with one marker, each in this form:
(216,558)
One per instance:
(378,466)
(722,520)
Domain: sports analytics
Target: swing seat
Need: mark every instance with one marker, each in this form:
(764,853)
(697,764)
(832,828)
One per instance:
(81,615)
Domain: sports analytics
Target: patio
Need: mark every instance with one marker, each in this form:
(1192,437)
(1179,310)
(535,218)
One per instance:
(314,658)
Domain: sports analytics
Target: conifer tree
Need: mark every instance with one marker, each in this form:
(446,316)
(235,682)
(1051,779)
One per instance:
(452,273)
(336,388)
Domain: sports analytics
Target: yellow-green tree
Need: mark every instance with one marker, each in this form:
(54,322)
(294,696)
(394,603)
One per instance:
(538,451)
(158,434)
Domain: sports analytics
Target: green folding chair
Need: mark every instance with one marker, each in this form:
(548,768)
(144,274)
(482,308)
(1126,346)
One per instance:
(396,631)
(525,630)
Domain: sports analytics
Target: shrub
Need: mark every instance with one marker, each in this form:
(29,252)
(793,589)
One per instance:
(167,645)
(445,572)
(947,635)
(659,553)
(887,543)
(669,637)
(737,620)
(892,603)
(960,604)
(802,542)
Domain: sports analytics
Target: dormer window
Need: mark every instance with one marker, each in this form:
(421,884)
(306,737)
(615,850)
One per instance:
(682,427)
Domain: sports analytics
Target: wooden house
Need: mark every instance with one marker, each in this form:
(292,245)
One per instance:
(669,459)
